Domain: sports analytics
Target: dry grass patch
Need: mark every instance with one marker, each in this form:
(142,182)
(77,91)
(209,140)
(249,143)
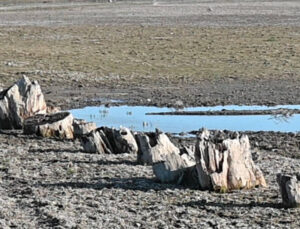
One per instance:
(136,53)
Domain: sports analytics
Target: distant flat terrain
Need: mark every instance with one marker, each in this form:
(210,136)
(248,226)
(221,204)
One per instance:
(199,52)
(156,12)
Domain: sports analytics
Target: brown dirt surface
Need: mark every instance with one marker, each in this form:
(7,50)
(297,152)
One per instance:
(200,66)
(118,50)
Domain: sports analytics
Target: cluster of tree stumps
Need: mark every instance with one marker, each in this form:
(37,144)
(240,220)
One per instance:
(219,161)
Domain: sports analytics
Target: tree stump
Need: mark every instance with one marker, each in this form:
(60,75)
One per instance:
(110,140)
(96,142)
(178,168)
(82,127)
(289,186)
(224,162)
(190,178)
(52,125)
(121,140)
(173,169)
(20,101)
(153,147)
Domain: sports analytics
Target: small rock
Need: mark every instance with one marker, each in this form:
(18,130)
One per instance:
(178,103)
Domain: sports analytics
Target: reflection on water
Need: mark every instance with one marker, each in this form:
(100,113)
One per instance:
(134,117)
(279,118)
(103,112)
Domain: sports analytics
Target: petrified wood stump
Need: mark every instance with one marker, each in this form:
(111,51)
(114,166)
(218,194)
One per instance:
(52,125)
(109,140)
(224,162)
(82,127)
(173,169)
(153,147)
(169,163)
(121,140)
(289,186)
(96,142)
(20,101)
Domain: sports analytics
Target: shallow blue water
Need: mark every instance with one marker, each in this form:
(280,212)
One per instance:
(135,118)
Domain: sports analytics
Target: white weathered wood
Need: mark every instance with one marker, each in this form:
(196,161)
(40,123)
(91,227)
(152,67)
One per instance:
(173,168)
(20,101)
(289,186)
(153,147)
(226,164)
(52,125)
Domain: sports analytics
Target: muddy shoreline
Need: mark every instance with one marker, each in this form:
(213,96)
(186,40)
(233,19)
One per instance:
(269,92)
(49,182)
(279,111)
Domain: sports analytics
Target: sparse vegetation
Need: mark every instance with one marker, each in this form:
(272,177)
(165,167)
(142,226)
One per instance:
(136,53)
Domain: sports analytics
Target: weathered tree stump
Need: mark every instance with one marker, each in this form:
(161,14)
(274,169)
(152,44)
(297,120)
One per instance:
(82,127)
(20,101)
(109,140)
(289,186)
(52,125)
(190,178)
(224,163)
(121,140)
(178,168)
(173,168)
(153,147)
(96,142)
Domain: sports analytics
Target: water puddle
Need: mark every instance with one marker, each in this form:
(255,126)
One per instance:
(135,118)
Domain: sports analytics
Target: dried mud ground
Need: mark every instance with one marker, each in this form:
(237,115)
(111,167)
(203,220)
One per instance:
(160,53)
(50,183)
